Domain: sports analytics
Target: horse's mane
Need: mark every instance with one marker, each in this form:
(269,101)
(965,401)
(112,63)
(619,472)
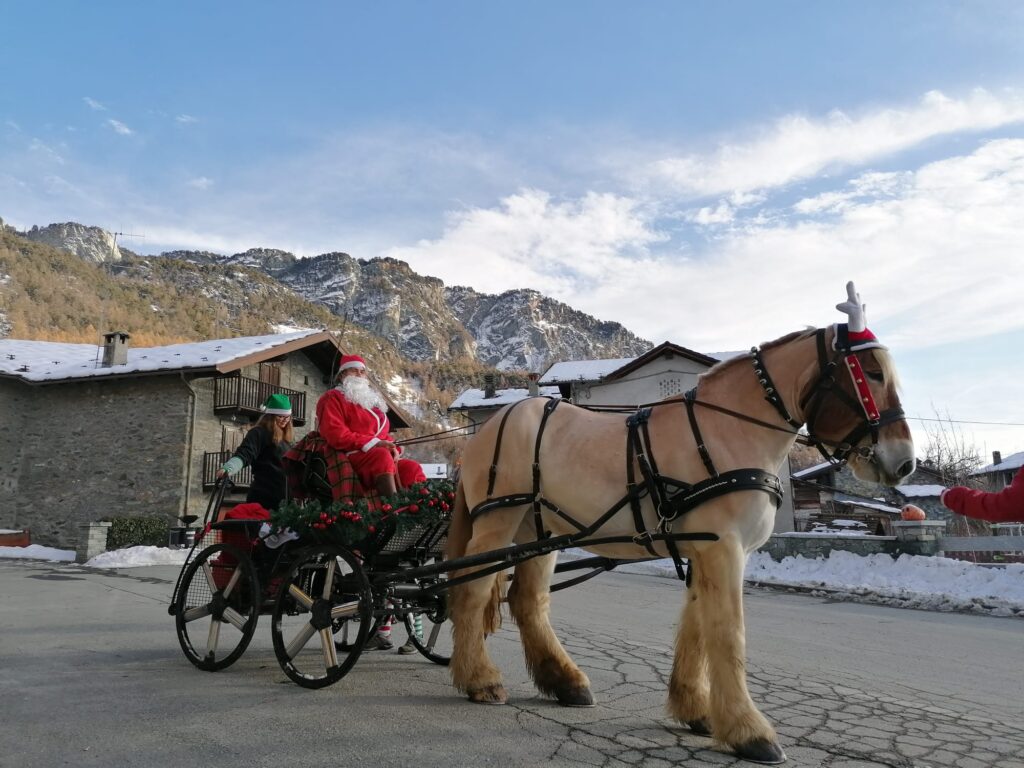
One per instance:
(882,355)
(720,368)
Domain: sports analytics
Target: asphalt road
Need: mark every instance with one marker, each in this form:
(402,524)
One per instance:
(91,675)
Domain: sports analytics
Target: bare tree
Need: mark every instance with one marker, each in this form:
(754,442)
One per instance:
(948,451)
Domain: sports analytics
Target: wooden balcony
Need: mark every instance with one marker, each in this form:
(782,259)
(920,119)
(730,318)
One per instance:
(244,395)
(212,461)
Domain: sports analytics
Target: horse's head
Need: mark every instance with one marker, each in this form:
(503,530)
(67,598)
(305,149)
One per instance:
(853,407)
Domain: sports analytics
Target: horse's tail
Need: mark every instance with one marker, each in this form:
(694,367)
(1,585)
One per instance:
(460,530)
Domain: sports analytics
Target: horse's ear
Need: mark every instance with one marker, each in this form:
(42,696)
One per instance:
(853,308)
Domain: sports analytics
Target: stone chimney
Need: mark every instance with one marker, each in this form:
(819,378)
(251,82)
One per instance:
(489,385)
(532,386)
(115,348)
(997,457)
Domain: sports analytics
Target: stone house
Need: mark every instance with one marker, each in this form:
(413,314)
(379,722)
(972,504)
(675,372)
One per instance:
(478,405)
(663,371)
(823,493)
(88,433)
(1000,472)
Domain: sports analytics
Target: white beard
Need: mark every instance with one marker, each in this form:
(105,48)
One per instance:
(358,390)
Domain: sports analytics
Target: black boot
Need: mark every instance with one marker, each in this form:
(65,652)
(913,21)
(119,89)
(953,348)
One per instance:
(386,485)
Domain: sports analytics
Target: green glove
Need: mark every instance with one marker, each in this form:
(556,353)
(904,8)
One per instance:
(233,465)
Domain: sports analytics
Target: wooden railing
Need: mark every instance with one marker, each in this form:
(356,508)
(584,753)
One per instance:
(214,460)
(243,394)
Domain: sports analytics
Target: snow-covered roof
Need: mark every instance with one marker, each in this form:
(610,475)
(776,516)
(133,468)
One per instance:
(583,370)
(474,398)
(811,471)
(920,491)
(1014,461)
(859,501)
(44,361)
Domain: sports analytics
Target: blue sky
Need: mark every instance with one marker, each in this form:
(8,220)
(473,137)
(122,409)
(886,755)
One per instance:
(706,172)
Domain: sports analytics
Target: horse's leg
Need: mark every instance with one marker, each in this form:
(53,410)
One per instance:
(529,602)
(475,613)
(688,687)
(735,721)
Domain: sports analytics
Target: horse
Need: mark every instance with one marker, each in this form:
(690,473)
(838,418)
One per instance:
(743,417)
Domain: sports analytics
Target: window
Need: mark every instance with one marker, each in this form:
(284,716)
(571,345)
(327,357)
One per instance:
(670,387)
(231,437)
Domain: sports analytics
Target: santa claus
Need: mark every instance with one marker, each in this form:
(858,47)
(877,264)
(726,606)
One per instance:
(352,418)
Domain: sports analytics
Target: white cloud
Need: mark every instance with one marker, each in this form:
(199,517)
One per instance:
(532,241)
(120,127)
(93,104)
(799,147)
(186,119)
(200,182)
(46,151)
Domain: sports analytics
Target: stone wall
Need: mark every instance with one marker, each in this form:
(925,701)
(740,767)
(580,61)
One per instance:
(912,538)
(76,452)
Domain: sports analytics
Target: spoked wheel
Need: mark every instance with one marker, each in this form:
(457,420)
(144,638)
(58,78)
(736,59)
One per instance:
(218,606)
(432,633)
(325,590)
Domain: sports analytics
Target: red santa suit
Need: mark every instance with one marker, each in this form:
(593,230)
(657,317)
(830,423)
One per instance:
(1005,506)
(349,427)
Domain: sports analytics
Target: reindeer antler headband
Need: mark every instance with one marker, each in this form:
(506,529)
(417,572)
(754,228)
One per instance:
(854,335)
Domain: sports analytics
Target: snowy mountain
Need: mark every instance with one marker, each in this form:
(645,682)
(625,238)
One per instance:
(90,243)
(427,320)
(421,316)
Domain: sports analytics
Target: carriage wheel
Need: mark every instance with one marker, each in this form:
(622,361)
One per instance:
(217,607)
(325,590)
(435,642)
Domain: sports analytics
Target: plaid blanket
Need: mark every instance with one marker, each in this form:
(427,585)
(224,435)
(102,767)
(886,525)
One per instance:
(317,471)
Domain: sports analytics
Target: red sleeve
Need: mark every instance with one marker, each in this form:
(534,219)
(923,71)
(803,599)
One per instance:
(333,414)
(1005,506)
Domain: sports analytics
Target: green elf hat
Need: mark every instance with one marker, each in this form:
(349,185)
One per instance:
(277,405)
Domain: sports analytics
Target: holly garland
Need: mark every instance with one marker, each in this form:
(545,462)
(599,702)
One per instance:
(352,522)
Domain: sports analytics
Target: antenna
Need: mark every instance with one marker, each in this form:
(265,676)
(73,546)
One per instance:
(113,246)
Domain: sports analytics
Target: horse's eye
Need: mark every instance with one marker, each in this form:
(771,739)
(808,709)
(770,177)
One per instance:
(876,376)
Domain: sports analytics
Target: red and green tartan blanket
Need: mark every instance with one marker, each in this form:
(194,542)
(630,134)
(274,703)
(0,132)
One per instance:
(317,471)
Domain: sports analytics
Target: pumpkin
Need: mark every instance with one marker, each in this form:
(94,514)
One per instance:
(911,512)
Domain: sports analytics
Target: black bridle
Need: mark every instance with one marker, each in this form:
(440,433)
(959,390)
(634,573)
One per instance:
(870,420)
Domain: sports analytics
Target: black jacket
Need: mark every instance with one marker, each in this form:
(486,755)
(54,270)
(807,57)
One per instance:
(269,482)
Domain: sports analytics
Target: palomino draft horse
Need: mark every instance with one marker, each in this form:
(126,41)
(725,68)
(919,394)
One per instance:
(701,463)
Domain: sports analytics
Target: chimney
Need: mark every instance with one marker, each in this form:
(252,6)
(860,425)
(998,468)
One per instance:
(532,386)
(115,348)
(997,457)
(488,385)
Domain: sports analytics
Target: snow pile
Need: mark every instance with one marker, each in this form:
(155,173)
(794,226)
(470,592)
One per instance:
(136,556)
(909,581)
(37,552)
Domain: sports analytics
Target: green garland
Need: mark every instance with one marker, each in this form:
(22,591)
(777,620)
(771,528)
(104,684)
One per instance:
(353,522)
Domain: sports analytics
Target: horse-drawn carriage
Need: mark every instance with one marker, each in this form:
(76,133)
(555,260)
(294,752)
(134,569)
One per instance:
(691,478)
(327,589)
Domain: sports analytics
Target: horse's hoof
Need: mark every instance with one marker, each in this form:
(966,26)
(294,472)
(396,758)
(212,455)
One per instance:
(700,727)
(576,697)
(492,694)
(761,751)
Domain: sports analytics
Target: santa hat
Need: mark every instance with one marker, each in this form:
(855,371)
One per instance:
(351,361)
(277,405)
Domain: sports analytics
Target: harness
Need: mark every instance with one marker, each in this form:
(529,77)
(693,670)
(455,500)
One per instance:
(672,497)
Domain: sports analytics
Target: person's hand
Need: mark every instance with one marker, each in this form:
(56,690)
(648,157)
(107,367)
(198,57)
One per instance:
(220,474)
(392,448)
